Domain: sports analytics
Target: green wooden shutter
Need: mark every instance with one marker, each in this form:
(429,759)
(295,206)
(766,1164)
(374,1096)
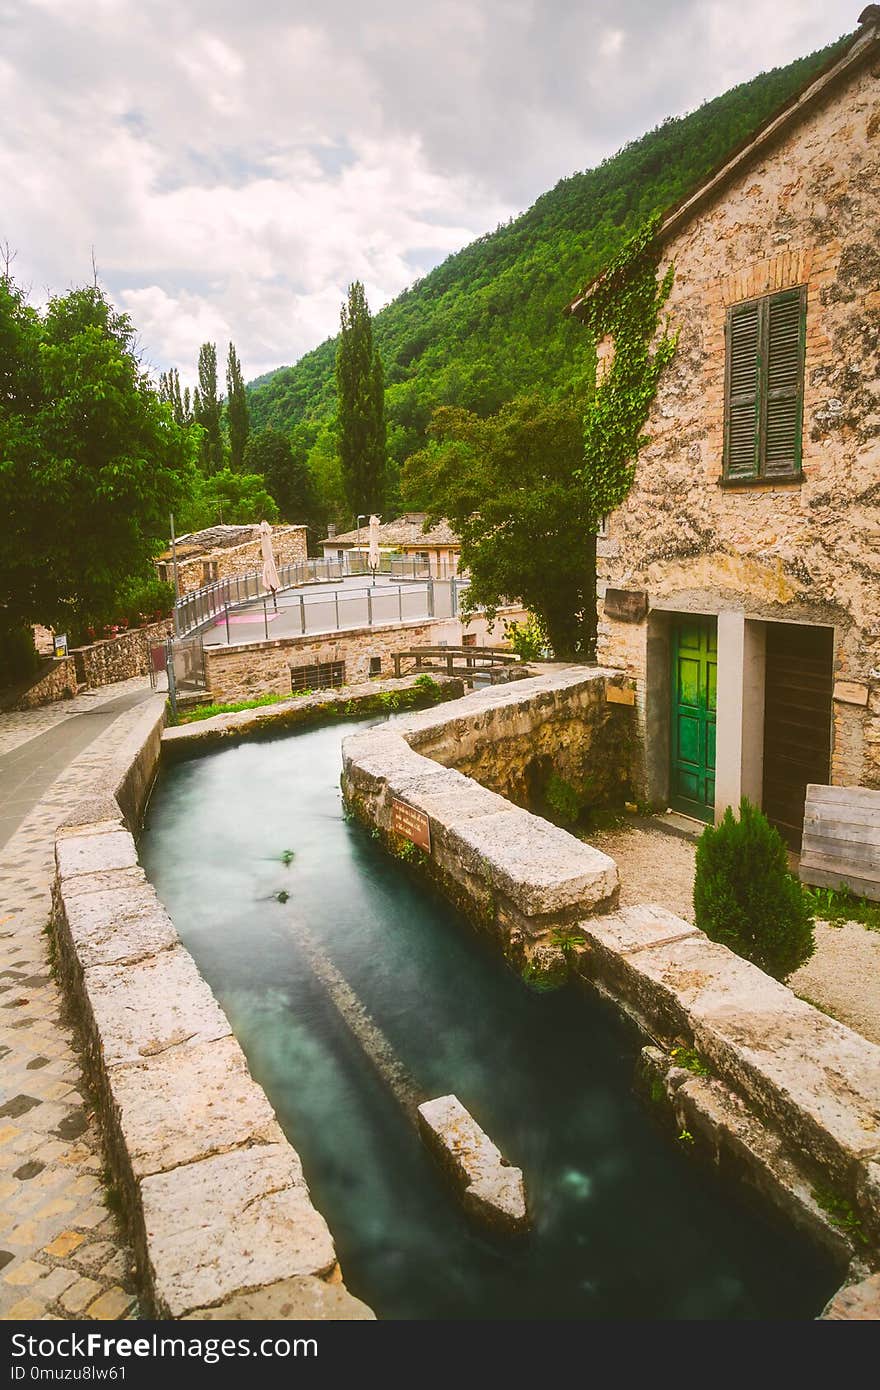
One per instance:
(743,416)
(785,379)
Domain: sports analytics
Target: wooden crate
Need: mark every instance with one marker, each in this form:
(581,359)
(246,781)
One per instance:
(841,846)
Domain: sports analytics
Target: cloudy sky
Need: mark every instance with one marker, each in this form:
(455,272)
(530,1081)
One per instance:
(235,165)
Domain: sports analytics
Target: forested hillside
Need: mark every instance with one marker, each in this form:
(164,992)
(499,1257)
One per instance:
(488,322)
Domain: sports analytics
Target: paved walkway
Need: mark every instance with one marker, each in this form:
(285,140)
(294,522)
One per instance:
(62,1252)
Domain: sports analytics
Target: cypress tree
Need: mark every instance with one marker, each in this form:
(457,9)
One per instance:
(207,409)
(360,391)
(237,415)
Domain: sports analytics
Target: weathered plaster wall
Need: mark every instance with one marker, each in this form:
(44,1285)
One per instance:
(808,214)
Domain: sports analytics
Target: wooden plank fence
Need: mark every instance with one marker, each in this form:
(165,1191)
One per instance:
(841,846)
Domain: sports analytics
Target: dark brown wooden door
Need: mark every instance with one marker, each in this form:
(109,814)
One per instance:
(797,722)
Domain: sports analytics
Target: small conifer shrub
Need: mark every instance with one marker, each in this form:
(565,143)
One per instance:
(746,897)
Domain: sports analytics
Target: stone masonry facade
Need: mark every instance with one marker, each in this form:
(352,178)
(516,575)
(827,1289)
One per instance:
(256,668)
(289,546)
(807,213)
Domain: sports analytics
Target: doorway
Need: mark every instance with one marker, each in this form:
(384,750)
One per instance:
(694,661)
(797,722)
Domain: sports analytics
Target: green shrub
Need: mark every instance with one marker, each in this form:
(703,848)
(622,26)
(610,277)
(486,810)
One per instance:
(528,639)
(746,898)
(563,799)
(18,657)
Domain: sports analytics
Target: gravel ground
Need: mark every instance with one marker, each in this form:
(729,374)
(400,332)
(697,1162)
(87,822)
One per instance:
(842,979)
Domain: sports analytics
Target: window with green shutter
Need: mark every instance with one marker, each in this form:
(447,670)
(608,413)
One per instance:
(764,387)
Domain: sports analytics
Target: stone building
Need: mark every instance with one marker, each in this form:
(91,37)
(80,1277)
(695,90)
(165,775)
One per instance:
(220,552)
(740,580)
(437,550)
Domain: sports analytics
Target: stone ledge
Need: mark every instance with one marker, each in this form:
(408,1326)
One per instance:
(810,1082)
(815,1078)
(219,1210)
(229,1225)
(300,1299)
(187,740)
(492,1189)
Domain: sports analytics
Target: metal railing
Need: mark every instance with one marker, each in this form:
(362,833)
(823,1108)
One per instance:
(313,611)
(195,610)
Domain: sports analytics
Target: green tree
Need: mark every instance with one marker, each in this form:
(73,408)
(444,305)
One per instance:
(509,486)
(238,499)
(746,897)
(286,477)
(237,415)
(360,390)
(169,390)
(91,460)
(206,410)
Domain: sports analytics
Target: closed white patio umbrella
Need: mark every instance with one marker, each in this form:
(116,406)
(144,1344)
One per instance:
(271,582)
(374,545)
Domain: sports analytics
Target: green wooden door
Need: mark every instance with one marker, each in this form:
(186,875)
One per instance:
(694,674)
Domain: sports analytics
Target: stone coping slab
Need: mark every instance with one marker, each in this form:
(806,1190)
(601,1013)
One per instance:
(301,1299)
(159,1003)
(90,853)
(492,1189)
(188,1103)
(229,1224)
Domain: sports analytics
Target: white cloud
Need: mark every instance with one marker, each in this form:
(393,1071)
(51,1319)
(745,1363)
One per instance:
(235,167)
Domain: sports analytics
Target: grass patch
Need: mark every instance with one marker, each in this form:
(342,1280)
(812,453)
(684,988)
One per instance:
(835,905)
(191,716)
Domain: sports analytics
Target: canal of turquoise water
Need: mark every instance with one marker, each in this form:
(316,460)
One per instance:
(363,991)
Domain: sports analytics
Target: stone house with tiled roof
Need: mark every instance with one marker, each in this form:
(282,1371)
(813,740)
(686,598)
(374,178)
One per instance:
(227,551)
(438,547)
(740,580)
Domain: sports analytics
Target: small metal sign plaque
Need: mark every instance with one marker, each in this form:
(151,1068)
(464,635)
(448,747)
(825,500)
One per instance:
(626,605)
(411,824)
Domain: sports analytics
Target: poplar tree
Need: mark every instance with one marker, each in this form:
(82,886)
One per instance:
(237,415)
(360,389)
(206,408)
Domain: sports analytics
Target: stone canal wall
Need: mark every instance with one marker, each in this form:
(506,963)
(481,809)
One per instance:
(247,669)
(220,1213)
(773,1090)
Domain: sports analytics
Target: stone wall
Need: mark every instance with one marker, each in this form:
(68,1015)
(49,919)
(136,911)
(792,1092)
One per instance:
(221,1218)
(57,682)
(808,213)
(515,874)
(242,671)
(786,1098)
(289,546)
(119,658)
(513,743)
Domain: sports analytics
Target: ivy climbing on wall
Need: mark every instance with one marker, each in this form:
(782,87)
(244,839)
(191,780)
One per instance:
(625,306)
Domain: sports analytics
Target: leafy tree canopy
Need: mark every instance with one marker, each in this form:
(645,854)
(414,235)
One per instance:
(509,486)
(360,390)
(91,460)
(237,499)
(285,475)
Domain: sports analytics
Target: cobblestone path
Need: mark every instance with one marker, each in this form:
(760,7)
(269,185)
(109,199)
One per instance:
(62,1252)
